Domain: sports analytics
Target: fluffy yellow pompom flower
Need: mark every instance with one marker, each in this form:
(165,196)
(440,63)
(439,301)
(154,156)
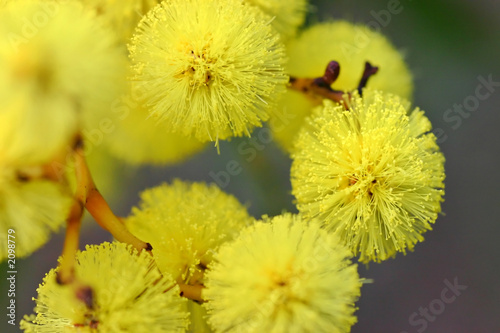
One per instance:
(374,174)
(186,223)
(33,209)
(284,275)
(287,16)
(57,67)
(211,68)
(124,292)
(351,46)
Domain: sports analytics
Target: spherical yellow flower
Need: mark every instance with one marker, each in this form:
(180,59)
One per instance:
(186,223)
(32,208)
(57,67)
(374,174)
(351,46)
(282,275)
(210,68)
(138,139)
(287,16)
(123,292)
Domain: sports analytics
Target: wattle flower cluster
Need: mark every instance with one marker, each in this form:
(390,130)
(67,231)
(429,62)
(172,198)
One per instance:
(366,171)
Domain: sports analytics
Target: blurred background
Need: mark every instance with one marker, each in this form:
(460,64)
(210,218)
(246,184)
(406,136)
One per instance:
(451,47)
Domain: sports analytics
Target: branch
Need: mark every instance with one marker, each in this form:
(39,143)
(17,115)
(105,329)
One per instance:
(192,292)
(99,208)
(88,196)
(321,86)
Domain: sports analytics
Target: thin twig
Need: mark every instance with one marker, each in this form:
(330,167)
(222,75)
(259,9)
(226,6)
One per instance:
(87,196)
(320,87)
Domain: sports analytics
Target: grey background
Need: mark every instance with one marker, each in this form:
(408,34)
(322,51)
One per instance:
(448,45)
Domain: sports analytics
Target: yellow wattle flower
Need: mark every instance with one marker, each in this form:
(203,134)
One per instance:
(123,292)
(287,16)
(209,68)
(139,139)
(351,46)
(374,174)
(58,69)
(282,275)
(33,209)
(186,223)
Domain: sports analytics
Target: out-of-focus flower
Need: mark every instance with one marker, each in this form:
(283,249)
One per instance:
(351,46)
(32,208)
(121,16)
(59,69)
(186,223)
(287,16)
(138,139)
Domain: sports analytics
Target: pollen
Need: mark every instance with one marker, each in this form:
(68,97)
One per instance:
(373,173)
(186,223)
(212,69)
(284,274)
(122,291)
